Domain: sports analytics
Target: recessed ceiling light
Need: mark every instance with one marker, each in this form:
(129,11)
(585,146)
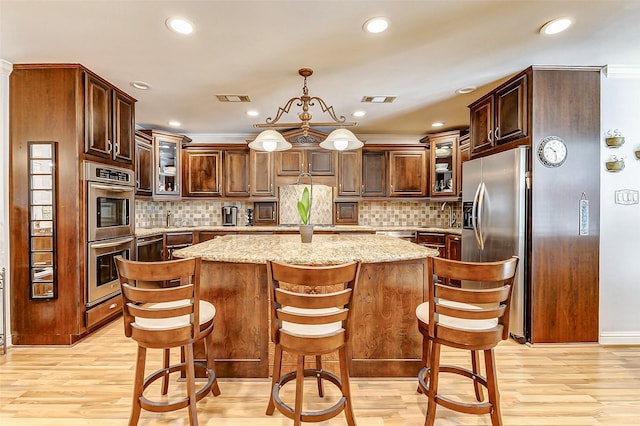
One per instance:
(437,124)
(359,113)
(175,123)
(556,26)
(141,85)
(253,113)
(179,25)
(465,90)
(376,25)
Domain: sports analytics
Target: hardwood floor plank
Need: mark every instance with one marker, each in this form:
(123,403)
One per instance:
(91,382)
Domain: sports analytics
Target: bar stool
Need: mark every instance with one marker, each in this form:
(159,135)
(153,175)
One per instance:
(474,319)
(311,325)
(165,318)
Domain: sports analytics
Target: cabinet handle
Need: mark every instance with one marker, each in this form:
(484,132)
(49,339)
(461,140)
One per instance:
(489,136)
(309,168)
(496,133)
(362,186)
(117,149)
(340,187)
(109,145)
(113,306)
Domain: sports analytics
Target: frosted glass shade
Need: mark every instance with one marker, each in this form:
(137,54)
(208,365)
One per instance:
(341,140)
(270,140)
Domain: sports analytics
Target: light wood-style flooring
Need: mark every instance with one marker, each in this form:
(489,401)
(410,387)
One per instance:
(90,384)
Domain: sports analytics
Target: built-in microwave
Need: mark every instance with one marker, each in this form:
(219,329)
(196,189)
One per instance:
(110,198)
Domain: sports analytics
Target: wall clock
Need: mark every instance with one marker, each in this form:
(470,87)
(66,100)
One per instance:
(552,151)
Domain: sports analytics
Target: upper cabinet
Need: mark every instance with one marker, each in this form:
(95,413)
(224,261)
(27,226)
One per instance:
(306,156)
(109,121)
(500,116)
(444,163)
(349,173)
(202,176)
(236,172)
(167,163)
(407,173)
(374,174)
(262,174)
(144,164)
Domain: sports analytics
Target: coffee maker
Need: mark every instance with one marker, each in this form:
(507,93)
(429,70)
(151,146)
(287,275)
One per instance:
(229,215)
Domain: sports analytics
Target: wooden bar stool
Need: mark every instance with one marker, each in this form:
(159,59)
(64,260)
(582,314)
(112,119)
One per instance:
(165,318)
(473,319)
(311,325)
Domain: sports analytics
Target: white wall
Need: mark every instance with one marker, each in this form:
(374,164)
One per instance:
(620,224)
(5,70)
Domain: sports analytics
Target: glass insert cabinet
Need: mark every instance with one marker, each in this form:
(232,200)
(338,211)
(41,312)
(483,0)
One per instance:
(42,220)
(444,163)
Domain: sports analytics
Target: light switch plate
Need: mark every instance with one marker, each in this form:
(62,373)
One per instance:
(627,196)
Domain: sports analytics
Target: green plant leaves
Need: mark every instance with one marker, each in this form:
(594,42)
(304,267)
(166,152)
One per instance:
(303,206)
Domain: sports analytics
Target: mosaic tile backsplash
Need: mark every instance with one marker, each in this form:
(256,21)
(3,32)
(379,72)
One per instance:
(370,213)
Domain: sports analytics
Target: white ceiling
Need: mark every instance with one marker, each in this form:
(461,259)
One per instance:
(255,48)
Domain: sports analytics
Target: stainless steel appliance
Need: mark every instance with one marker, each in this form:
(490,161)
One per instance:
(102,275)
(494,209)
(150,248)
(229,215)
(110,201)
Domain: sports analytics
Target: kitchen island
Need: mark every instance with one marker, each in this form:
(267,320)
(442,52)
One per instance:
(393,280)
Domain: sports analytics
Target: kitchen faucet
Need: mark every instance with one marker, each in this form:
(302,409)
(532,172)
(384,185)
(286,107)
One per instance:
(452,215)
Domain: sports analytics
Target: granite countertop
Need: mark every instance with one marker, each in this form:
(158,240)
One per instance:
(325,249)
(141,232)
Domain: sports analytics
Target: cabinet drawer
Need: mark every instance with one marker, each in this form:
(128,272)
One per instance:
(103,311)
(433,240)
(179,238)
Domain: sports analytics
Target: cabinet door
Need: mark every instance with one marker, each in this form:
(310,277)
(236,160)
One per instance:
(264,213)
(320,162)
(98,137)
(407,173)
(123,128)
(374,174)
(444,166)
(511,111)
(202,173)
(144,166)
(236,173)
(464,154)
(262,174)
(290,162)
(346,213)
(482,125)
(454,251)
(349,173)
(168,166)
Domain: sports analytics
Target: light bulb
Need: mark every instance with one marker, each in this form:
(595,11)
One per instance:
(340,144)
(269,145)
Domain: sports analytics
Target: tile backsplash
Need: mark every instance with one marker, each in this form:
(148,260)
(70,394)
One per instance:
(370,213)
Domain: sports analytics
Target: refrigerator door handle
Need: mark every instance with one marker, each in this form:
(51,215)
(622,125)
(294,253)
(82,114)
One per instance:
(474,215)
(479,236)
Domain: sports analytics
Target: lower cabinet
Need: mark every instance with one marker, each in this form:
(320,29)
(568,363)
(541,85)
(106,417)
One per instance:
(265,213)
(453,247)
(346,214)
(175,241)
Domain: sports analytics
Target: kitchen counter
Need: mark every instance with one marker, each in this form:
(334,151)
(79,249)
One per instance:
(392,283)
(141,232)
(323,250)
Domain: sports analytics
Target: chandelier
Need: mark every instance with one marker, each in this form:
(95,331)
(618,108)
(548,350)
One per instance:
(340,139)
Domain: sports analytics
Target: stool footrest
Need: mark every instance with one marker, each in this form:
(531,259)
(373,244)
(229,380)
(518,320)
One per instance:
(309,416)
(470,408)
(162,406)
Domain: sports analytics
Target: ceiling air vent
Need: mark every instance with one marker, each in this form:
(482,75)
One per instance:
(378,99)
(233,98)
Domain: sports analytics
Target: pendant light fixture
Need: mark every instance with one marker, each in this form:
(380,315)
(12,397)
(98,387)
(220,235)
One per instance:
(272,140)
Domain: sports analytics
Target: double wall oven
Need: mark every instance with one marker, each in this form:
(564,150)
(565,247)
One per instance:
(110,227)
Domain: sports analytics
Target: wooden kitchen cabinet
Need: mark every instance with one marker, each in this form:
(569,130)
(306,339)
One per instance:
(500,116)
(262,174)
(464,154)
(144,164)
(346,213)
(317,162)
(109,121)
(265,213)
(374,174)
(175,241)
(433,240)
(444,165)
(349,173)
(202,174)
(167,163)
(453,248)
(236,173)
(407,170)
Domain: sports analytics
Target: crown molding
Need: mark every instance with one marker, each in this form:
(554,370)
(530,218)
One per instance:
(621,71)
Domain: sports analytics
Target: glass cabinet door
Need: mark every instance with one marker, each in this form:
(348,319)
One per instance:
(167,166)
(42,220)
(443,167)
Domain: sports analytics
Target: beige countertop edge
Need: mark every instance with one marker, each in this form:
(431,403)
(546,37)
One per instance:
(142,232)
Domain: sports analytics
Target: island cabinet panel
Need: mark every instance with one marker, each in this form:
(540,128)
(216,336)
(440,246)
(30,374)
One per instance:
(241,333)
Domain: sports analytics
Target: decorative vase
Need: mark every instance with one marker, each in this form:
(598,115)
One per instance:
(306,233)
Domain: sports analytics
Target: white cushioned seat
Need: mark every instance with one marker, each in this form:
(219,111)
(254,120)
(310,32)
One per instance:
(422,312)
(207,313)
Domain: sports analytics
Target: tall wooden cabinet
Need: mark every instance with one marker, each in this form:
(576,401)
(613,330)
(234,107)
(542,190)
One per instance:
(71,108)
(562,270)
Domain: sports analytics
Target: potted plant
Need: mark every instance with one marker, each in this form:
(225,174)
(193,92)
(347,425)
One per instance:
(304,210)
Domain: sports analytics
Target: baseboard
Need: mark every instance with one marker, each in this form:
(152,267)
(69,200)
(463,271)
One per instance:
(620,338)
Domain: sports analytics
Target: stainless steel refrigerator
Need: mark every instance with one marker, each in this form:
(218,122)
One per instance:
(494,208)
